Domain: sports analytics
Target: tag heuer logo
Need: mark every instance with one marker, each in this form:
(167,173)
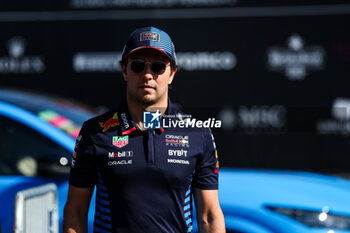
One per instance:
(120,141)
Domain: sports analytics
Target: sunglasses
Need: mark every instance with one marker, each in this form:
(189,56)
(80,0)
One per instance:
(157,67)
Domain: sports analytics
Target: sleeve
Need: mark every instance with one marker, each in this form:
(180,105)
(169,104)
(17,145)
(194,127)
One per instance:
(83,168)
(207,170)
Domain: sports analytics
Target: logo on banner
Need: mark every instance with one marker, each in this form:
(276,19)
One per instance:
(96,62)
(188,61)
(254,119)
(151,120)
(296,61)
(17,62)
(206,60)
(339,123)
(120,141)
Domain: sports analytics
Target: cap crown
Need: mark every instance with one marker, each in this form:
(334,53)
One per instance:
(149,37)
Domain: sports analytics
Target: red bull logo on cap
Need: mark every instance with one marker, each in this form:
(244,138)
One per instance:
(111,122)
(153,36)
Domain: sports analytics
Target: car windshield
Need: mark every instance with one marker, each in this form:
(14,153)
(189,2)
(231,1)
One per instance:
(61,113)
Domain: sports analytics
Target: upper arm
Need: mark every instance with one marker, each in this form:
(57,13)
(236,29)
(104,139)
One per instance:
(209,214)
(76,210)
(207,203)
(78,199)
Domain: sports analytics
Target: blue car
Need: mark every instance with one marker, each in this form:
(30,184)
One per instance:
(284,201)
(37,138)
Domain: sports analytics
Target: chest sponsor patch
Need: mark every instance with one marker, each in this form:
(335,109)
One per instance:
(179,161)
(121,154)
(178,153)
(111,122)
(120,141)
(120,162)
(177,140)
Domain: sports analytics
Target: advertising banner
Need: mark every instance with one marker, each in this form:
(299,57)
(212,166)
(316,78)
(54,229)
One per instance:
(276,75)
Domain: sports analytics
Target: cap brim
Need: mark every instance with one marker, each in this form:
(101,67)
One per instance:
(147,47)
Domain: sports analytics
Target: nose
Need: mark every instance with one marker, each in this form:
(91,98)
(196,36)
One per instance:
(148,69)
(147,73)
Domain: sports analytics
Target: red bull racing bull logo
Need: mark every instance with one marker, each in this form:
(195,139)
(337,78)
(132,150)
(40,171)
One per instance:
(111,122)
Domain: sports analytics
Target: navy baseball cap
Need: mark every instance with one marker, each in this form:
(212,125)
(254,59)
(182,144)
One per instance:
(149,37)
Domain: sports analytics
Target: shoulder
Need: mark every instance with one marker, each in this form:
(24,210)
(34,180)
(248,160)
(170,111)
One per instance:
(101,122)
(101,117)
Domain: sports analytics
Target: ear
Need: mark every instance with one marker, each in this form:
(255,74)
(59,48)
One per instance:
(172,74)
(123,71)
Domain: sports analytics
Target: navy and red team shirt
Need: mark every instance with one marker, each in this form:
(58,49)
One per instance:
(145,178)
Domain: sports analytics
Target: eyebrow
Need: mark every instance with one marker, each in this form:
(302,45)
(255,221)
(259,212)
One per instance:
(156,59)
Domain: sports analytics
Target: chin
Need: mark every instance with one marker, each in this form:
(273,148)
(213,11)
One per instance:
(147,100)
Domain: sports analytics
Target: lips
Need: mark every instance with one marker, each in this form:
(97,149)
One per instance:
(147,87)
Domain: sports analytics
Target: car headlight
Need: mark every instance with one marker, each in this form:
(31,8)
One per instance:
(322,219)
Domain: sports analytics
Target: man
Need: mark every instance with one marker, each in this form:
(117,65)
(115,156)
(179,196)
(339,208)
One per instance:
(145,178)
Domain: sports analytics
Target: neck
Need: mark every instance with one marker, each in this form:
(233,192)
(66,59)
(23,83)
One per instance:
(136,109)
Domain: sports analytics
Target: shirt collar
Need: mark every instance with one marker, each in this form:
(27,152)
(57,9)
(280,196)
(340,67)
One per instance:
(128,126)
(171,110)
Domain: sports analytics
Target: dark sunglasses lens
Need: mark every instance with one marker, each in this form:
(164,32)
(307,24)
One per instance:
(137,66)
(158,67)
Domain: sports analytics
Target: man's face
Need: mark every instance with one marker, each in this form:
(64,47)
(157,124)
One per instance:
(146,87)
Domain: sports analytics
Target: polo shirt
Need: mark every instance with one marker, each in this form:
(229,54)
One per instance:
(144,179)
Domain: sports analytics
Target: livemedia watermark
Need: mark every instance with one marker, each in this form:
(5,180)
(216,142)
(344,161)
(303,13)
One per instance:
(155,120)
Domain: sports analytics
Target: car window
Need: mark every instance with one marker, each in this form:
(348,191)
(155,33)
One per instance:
(66,115)
(24,151)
